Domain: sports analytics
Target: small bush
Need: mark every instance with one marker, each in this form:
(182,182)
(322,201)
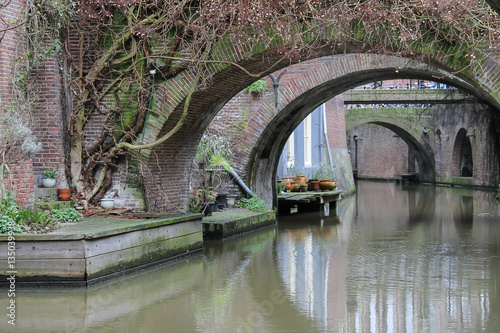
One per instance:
(8,224)
(33,219)
(19,220)
(50,174)
(66,215)
(9,215)
(9,206)
(254,204)
(257,87)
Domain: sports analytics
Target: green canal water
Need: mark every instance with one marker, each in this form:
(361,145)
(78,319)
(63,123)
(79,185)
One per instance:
(394,258)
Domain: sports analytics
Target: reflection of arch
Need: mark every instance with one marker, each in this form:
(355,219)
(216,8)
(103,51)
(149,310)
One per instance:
(462,161)
(422,203)
(437,152)
(463,212)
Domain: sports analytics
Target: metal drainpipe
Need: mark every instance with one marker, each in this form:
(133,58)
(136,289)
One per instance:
(325,133)
(240,181)
(355,152)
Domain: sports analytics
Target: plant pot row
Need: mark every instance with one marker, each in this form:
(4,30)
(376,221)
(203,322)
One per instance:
(65,194)
(290,184)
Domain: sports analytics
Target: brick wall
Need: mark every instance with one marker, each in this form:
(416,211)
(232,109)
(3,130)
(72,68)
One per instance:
(336,122)
(302,88)
(20,179)
(20,182)
(380,153)
(48,122)
(383,154)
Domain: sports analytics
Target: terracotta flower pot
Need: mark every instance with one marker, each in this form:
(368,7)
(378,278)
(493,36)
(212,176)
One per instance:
(315,185)
(64,194)
(287,180)
(324,185)
(301,179)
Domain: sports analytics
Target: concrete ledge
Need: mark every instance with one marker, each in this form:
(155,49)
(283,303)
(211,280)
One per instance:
(99,247)
(235,221)
(49,205)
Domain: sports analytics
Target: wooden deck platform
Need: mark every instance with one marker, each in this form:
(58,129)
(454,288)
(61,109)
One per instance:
(307,201)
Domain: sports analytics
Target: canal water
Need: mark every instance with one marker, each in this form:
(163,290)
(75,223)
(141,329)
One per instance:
(393,258)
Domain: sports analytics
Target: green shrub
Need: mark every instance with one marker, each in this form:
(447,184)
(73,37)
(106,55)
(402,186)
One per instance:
(257,87)
(9,215)
(9,206)
(33,219)
(195,206)
(254,204)
(17,220)
(8,224)
(212,145)
(50,174)
(66,215)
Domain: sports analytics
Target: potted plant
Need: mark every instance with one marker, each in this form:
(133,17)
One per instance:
(107,203)
(221,173)
(290,177)
(301,179)
(278,185)
(314,185)
(213,152)
(323,174)
(203,201)
(49,179)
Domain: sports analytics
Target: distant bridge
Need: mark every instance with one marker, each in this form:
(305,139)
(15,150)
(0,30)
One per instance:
(405,96)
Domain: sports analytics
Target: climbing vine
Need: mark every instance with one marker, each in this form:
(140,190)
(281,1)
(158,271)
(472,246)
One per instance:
(107,47)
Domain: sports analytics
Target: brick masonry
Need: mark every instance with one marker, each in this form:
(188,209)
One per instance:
(258,144)
(20,179)
(382,154)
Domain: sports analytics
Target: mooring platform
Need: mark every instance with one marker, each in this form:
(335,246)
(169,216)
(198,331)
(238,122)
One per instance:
(307,201)
(231,222)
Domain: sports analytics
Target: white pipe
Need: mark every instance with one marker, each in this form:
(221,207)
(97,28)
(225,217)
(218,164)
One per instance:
(325,133)
(240,181)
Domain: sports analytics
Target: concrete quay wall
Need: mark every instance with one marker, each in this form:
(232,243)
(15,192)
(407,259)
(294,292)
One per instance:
(79,258)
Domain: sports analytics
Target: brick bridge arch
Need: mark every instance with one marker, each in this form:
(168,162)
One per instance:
(410,124)
(169,165)
(304,87)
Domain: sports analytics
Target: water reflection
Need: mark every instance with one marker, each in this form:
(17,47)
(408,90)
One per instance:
(391,259)
(411,259)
